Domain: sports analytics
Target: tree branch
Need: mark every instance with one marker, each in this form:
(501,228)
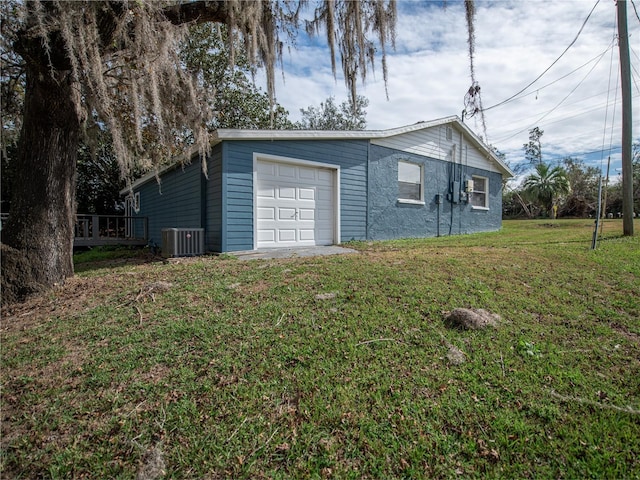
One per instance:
(197,12)
(30,48)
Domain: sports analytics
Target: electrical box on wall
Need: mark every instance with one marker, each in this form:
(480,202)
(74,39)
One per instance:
(438,199)
(455,192)
(468,186)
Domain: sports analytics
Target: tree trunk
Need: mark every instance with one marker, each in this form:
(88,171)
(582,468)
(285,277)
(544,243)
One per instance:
(41,221)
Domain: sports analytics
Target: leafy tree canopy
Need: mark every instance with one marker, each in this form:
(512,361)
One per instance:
(330,116)
(546,185)
(533,149)
(233,98)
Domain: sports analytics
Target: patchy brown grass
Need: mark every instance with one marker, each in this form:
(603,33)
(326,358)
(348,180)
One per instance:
(334,367)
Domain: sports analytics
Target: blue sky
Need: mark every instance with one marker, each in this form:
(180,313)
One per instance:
(576,103)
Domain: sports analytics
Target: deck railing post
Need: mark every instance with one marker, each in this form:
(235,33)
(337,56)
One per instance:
(95,227)
(95,230)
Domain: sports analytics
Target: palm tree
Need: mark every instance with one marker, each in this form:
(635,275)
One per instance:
(546,185)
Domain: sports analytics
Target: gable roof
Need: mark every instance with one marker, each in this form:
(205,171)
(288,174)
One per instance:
(237,134)
(245,134)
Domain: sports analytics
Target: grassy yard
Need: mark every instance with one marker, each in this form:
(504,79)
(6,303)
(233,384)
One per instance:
(335,367)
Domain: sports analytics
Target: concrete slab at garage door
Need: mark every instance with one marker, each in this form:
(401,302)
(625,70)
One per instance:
(295,205)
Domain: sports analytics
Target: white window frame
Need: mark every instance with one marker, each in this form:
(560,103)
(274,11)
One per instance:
(421,183)
(477,180)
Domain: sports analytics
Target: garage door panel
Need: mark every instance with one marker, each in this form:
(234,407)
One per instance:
(307,173)
(267,192)
(266,169)
(287,193)
(266,213)
(286,235)
(325,195)
(286,171)
(307,235)
(295,205)
(286,214)
(324,216)
(306,193)
(306,214)
(325,177)
(267,236)
(323,239)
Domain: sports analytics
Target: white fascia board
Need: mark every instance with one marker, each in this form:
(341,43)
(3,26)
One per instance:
(483,147)
(232,134)
(237,134)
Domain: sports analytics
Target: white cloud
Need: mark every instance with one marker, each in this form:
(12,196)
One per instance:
(515,42)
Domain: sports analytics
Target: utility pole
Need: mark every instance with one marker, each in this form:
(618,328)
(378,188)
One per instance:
(625,74)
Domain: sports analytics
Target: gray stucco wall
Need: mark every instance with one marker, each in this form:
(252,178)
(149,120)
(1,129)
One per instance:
(390,219)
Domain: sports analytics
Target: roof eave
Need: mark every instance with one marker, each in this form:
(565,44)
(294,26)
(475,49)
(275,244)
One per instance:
(270,135)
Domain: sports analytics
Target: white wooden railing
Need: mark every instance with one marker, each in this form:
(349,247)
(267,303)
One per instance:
(95,230)
(92,230)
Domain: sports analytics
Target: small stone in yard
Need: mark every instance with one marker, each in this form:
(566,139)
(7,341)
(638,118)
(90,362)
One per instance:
(152,466)
(159,286)
(326,296)
(455,356)
(472,319)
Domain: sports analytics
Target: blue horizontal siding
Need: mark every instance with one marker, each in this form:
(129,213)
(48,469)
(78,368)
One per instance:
(174,203)
(213,203)
(350,155)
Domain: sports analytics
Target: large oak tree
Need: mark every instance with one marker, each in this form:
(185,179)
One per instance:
(116,65)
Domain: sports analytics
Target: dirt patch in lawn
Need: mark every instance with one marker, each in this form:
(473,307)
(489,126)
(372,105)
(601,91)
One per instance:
(74,297)
(625,332)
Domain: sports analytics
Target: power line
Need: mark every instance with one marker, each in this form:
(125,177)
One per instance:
(550,66)
(635,10)
(579,112)
(537,90)
(563,119)
(606,113)
(561,101)
(558,157)
(634,69)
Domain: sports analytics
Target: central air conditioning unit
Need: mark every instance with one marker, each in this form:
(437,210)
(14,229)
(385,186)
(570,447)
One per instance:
(182,242)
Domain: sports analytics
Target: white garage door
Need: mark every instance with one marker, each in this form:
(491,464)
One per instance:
(295,205)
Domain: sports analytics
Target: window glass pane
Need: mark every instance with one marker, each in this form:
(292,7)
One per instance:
(478,199)
(479,195)
(408,172)
(409,181)
(409,191)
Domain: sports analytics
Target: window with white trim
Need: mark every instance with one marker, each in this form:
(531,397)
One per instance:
(480,193)
(410,182)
